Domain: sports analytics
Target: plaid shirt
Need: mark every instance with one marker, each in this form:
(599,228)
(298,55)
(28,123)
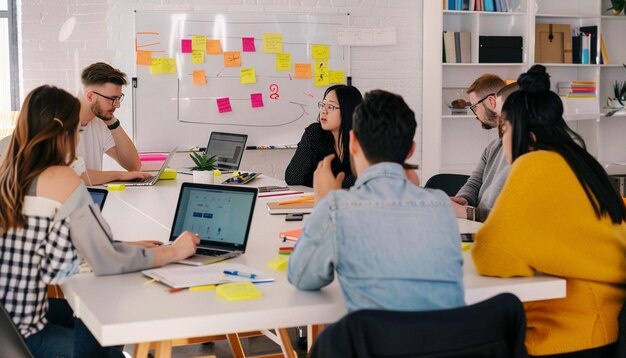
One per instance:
(32,257)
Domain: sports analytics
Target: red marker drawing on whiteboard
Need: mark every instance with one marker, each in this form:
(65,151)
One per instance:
(308,94)
(274,91)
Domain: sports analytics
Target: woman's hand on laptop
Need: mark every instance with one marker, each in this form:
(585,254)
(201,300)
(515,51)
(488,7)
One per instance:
(128,176)
(185,244)
(148,244)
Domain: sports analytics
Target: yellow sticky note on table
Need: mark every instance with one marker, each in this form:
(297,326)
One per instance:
(199,77)
(321,73)
(163,65)
(320,52)
(283,62)
(248,75)
(144,58)
(278,263)
(168,174)
(238,291)
(303,70)
(116,187)
(466,246)
(272,43)
(197,56)
(213,47)
(337,76)
(232,59)
(198,42)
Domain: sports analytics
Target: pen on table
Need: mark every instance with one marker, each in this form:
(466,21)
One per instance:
(239,273)
(263,195)
(299,200)
(410,166)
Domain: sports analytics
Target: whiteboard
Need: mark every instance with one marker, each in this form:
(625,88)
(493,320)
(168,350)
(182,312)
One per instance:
(170,110)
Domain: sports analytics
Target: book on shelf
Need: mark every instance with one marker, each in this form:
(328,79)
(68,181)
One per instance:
(457,47)
(476,5)
(585,54)
(449,46)
(604,58)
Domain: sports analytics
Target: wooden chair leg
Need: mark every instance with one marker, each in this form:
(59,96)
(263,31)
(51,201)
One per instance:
(286,346)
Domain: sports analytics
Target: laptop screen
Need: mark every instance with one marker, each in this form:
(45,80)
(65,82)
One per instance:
(228,149)
(98,196)
(221,215)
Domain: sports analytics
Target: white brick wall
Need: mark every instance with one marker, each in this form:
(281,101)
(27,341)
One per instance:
(58,38)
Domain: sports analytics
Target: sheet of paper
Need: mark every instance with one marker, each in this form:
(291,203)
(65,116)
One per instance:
(272,43)
(283,62)
(366,36)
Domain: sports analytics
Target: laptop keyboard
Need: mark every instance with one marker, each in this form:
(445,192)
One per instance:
(208,252)
(144,180)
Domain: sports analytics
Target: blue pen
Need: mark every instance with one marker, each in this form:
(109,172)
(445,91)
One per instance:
(239,273)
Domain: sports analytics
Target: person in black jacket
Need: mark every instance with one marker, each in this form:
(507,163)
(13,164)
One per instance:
(329,135)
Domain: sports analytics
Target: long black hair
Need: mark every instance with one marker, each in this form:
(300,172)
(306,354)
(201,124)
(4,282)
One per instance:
(348,97)
(536,117)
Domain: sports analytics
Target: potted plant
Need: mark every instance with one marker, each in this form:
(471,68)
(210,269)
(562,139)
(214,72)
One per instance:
(618,101)
(204,166)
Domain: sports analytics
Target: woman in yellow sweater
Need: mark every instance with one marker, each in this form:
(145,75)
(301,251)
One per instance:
(557,214)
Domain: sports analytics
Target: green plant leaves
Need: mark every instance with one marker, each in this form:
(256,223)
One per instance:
(203,161)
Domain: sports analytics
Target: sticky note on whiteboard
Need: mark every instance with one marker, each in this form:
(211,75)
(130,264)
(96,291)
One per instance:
(197,56)
(213,47)
(223,105)
(247,44)
(248,75)
(185,46)
(256,99)
(144,58)
(272,43)
(283,62)
(303,70)
(198,43)
(199,77)
(163,65)
(337,76)
(232,59)
(320,52)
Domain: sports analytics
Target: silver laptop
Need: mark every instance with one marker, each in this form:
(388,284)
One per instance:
(151,180)
(228,149)
(221,214)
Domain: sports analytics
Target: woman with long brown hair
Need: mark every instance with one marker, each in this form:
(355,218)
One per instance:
(48,222)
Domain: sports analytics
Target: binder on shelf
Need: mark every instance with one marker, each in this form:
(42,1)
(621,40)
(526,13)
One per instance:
(577,48)
(488,5)
(500,49)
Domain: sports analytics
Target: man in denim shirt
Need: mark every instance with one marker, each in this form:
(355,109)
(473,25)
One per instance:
(393,244)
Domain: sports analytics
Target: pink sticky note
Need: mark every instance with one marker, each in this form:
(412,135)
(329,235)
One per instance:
(248,44)
(223,105)
(185,46)
(256,99)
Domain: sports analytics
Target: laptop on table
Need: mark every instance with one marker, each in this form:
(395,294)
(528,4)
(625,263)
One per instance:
(228,149)
(151,180)
(220,214)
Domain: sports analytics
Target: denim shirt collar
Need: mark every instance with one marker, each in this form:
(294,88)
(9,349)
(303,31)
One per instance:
(385,169)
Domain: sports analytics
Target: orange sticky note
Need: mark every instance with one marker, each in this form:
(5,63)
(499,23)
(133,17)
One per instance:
(232,59)
(144,58)
(283,62)
(213,47)
(320,52)
(248,75)
(199,77)
(303,70)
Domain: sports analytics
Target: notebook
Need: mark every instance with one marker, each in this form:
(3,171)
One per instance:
(151,180)
(221,214)
(305,207)
(98,196)
(177,276)
(228,149)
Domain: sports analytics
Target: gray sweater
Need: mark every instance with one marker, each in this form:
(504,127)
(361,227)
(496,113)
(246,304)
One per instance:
(483,187)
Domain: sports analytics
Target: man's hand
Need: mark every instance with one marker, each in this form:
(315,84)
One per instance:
(459,200)
(127,176)
(324,180)
(460,207)
(185,244)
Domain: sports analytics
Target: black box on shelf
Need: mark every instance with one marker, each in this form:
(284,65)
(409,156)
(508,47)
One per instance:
(500,49)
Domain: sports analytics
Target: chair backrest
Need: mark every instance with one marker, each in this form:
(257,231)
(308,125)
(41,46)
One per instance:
(11,342)
(621,337)
(492,328)
(450,183)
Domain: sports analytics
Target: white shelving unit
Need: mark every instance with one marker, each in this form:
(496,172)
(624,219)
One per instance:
(454,143)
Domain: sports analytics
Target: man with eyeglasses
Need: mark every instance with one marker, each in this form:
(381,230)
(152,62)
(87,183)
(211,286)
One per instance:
(476,198)
(101,131)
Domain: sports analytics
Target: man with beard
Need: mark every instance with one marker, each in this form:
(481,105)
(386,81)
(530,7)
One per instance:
(476,198)
(101,131)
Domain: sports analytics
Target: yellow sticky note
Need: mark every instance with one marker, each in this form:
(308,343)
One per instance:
(201,288)
(168,174)
(337,76)
(272,43)
(199,77)
(232,59)
(213,47)
(283,62)
(248,75)
(163,65)
(320,52)
(303,70)
(198,42)
(238,291)
(197,56)
(466,246)
(321,73)
(118,187)
(144,58)
(278,263)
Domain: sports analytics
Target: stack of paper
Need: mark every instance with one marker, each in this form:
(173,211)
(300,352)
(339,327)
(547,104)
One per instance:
(189,276)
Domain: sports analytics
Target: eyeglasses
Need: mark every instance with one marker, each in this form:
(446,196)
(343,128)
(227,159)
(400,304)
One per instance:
(114,100)
(473,107)
(329,107)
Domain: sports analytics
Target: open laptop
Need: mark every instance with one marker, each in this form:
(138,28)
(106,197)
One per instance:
(228,149)
(153,179)
(221,214)
(98,196)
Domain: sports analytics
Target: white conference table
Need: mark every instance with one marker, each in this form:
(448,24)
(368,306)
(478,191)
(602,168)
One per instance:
(122,310)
